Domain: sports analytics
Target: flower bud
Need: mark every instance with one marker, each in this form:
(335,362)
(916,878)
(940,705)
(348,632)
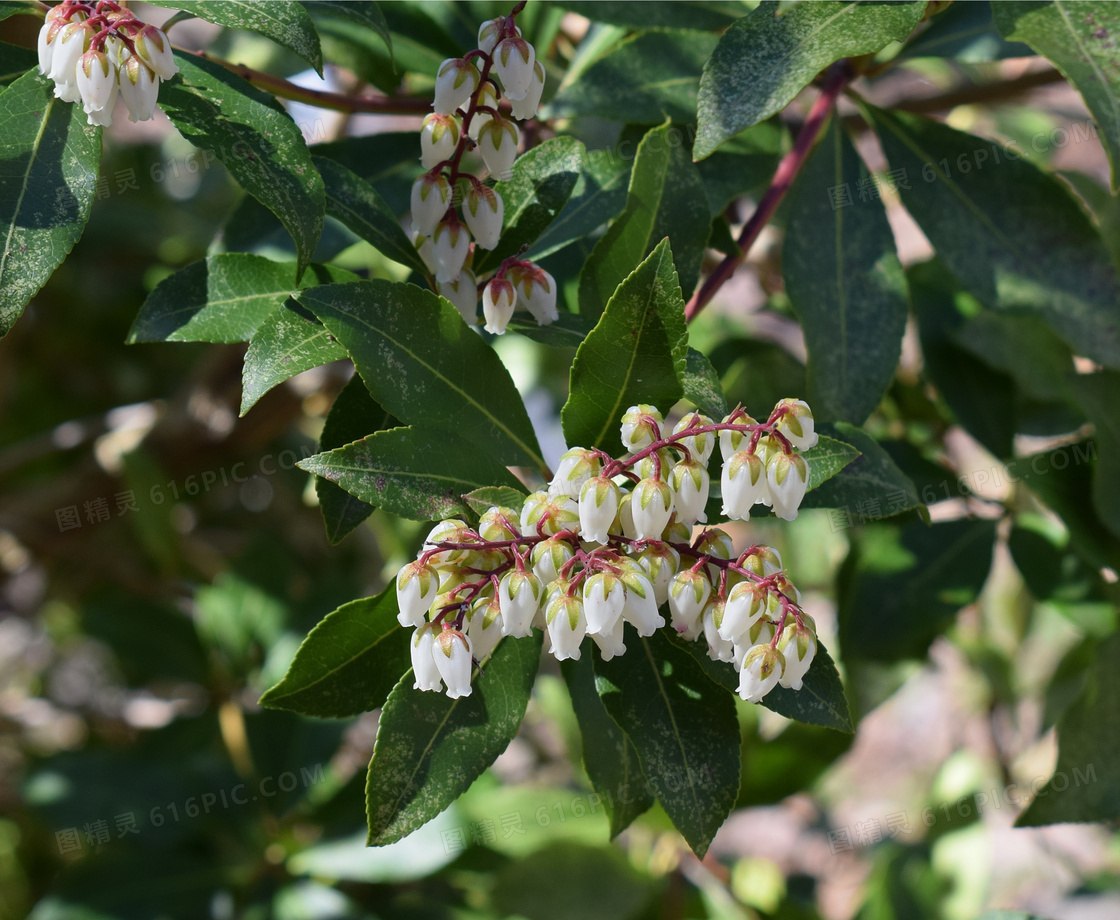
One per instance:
(489,33)
(497,143)
(746,605)
(431,196)
(424,671)
(598,505)
(677,532)
(762,668)
(519,594)
(788,477)
(439,136)
(498,302)
(463,293)
(604,596)
(640,425)
(139,87)
(456,80)
(566,624)
(576,466)
(731,441)
(716,542)
(453,652)
(417,586)
(610,643)
(424,246)
(153,48)
(451,531)
(657,465)
(690,483)
(450,244)
(743,483)
(688,594)
(548,557)
(719,649)
(484,211)
(513,65)
(498,523)
(797,424)
(536,289)
(798,645)
(640,608)
(699,446)
(527,107)
(651,505)
(488,97)
(624,521)
(660,562)
(484,626)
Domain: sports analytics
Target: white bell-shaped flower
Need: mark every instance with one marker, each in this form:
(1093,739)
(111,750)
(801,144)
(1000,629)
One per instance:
(797,424)
(484,111)
(439,136)
(70,44)
(451,243)
(548,558)
(499,523)
(456,81)
(611,643)
(719,649)
(498,303)
(798,645)
(417,586)
(598,505)
(513,64)
(746,605)
(56,19)
(431,196)
(531,510)
(566,624)
(690,484)
(463,293)
(661,563)
(743,483)
(625,519)
(484,211)
(519,594)
(484,626)
(640,425)
(788,477)
(604,596)
(688,595)
(97,84)
(699,446)
(453,653)
(490,32)
(154,49)
(452,531)
(576,466)
(527,107)
(733,440)
(139,87)
(425,673)
(640,609)
(762,669)
(497,143)
(536,289)
(651,504)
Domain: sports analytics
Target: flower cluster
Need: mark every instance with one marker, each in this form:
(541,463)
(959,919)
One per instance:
(92,52)
(466,116)
(610,541)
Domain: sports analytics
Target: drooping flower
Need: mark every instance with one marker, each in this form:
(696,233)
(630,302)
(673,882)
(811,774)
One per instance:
(453,653)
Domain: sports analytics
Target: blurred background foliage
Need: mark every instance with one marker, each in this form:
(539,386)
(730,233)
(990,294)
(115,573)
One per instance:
(162,559)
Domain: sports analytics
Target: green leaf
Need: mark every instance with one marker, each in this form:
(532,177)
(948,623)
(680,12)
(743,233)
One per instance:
(642,80)
(1080,39)
(1038,560)
(14,9)
(224,298)
(15,61)
(49,159)
(431,748)
(743,166)
(683,727)
(757,374)
(283,21)
(1099,395)
(1041,256)
(419,473)
(482,500)
(599,194)
(348,664)
(609,757)
(635,354)
(1086,782)
(902,585)
(701,385)
(666,198)
(533,197)
(567,332)
(356,203)
(845,283)
(826,459)
(870,486)
(254,137)
(770,55)
(356,12)
(353,416)
(387,161)
(964,32)
(666,14)
(422,363)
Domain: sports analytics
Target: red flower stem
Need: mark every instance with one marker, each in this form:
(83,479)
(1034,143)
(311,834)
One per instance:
(783,178)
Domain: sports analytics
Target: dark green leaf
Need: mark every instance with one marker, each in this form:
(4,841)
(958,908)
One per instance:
(666,14)
(599,194)
(845,282)
(609,757)
(742,166)
(702,387)
(419,472)
(1080,39)
(777,767)
(827,459)
(666,198)
(348,663)
(15,61)
(283,21)
(353,416)
(643,80)
(389,162)
(964,32)
(256,140)
(422,363)
(567,332)
(222,299)
(49,159)
(1099,395)
(1086,782)
(1042,256)
(871,486)
(356,203)
(757,374)
(770,55)
(14,9)
(635,354)
(482,500)
(541,184)
(431,748)
(683,727)
(1038,560)
(356,12)
(902,585)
